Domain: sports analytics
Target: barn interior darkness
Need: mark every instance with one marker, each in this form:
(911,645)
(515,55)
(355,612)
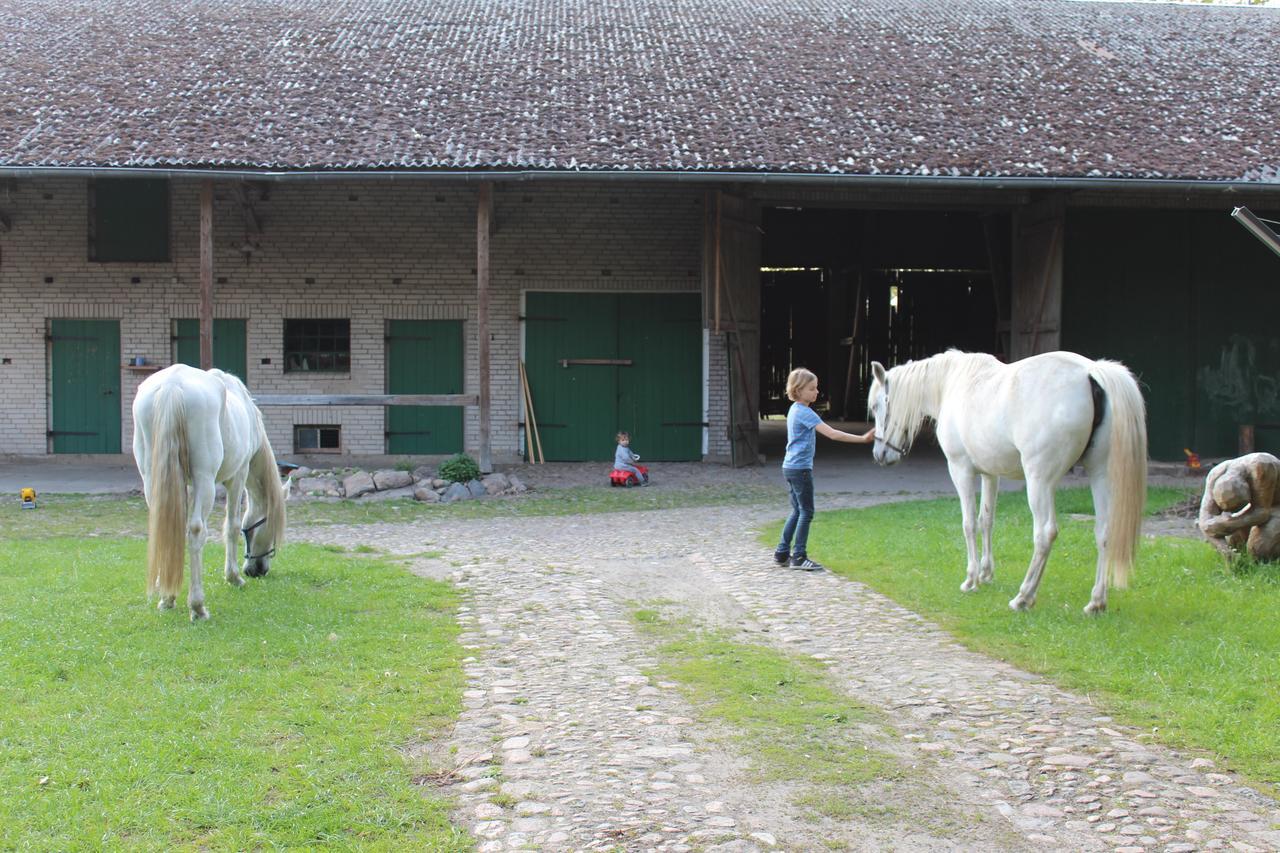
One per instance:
(841,288)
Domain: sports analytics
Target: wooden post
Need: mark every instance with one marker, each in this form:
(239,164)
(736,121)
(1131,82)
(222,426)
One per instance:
(484,216)
(206,275)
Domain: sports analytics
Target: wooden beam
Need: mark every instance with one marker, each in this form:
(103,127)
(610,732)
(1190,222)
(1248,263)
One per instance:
(366,399)
(484,220)
(206,274)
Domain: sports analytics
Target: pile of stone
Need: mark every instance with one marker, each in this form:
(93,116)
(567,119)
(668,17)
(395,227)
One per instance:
(420,484)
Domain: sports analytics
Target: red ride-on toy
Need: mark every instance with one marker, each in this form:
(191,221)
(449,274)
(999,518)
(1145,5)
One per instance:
(626,478)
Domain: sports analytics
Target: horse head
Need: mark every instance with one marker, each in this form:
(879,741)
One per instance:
(884,451)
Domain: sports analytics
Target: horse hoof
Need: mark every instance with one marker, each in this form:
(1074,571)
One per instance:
(235,580)
(968,586)
(165,603)
(1093,608)
(1020,604)
(198,612)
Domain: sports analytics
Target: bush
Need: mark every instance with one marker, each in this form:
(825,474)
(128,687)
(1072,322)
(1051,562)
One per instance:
(459,468)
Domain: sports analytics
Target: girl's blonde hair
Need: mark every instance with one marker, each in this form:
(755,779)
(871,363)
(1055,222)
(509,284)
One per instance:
(797,380)
(622,435)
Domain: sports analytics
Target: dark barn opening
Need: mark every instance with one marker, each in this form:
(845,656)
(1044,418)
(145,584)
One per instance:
(843,288)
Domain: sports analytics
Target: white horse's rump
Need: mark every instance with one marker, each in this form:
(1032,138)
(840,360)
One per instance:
(197,428)
(1033,420)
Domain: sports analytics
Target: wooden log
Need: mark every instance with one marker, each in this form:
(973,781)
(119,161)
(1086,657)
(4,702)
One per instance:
(366,400)
(484,216)
(206,275)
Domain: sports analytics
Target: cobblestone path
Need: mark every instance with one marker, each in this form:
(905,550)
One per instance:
(566,744)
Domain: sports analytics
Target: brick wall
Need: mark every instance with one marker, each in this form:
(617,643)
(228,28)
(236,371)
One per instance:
(369,251)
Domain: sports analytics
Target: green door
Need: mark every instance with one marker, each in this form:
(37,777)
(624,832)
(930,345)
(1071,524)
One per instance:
(660,396)
(424,357)
(230,352)
(603,362)
(86,386)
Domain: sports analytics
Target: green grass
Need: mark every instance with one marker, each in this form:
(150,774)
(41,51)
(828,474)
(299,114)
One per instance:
(116,515)
(1190,652)
(277,724)
(784,713)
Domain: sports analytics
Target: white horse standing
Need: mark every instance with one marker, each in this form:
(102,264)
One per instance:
(195,427)
(1033,420)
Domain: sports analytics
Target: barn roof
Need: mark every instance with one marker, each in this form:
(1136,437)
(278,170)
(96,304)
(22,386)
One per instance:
(1029,88)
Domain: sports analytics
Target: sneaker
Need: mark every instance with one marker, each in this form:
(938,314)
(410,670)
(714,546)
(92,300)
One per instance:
(782,557)
(802,562)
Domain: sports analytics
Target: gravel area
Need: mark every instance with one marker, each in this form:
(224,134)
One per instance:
(566,743)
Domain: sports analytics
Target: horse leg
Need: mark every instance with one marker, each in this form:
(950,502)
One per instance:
(987,520)
(197,535)
(1101,516)
(1045,530)
(966,483)
(231,530)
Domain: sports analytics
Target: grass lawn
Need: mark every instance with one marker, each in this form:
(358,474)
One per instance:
(72,515)
(277,724)
(1190,652)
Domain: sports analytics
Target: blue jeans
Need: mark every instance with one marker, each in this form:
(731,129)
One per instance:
(640,478)
(800,485)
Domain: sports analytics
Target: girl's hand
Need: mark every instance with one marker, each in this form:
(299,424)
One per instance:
(868,436)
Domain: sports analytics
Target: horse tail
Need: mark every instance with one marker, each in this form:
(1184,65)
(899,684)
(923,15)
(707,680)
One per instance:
(1126,466)
(272,489)
(167,510)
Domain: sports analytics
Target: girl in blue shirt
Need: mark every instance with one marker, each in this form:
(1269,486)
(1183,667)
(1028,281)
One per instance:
(797,467)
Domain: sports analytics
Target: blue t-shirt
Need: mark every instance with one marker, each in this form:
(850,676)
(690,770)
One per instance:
(623,457)
(801,438)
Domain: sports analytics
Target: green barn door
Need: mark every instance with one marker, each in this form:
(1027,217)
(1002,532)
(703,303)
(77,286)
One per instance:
(603,362)
(660,395)
(575,401)
(86,386)
(230,352)
(424,357)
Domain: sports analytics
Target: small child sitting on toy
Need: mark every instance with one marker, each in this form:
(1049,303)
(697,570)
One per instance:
(624,459)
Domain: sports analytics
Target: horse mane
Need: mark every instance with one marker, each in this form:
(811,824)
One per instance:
(262,465)
(917,387)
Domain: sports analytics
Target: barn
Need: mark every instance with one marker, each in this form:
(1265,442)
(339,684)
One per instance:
(400,222)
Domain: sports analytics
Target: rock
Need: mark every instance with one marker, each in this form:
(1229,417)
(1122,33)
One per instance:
(476,488)
(423,473)
(426,495)
(392,479)
(326,486)
(516,485)
(455,492)
(300,472)
(359,483)
(496,483)
(391,494)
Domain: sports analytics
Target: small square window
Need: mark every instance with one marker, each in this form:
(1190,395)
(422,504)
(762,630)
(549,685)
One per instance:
(317,438)
(317,346)
(129,220)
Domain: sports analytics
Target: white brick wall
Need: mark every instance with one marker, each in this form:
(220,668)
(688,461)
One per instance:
(374,251)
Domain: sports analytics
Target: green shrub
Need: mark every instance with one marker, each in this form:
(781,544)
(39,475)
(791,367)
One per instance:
(459,468)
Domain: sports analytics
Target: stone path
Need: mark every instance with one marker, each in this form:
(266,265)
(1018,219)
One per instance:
(566,744)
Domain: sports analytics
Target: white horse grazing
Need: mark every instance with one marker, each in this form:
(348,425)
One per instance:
(194,428)
(1033,420)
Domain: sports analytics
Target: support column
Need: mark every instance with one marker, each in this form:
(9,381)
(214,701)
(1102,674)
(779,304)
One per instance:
(484,218)
(206,275)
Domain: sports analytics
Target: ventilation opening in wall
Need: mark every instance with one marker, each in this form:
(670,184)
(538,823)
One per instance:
(317,438)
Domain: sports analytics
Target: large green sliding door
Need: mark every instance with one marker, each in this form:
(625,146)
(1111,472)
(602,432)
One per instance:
(603,362)
(230,352)
(85,377)
(424,357)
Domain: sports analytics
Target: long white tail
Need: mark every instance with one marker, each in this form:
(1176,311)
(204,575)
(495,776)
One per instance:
(167,510)
(1126,466)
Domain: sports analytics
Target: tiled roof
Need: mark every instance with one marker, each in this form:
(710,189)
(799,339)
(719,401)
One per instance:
(913,87)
